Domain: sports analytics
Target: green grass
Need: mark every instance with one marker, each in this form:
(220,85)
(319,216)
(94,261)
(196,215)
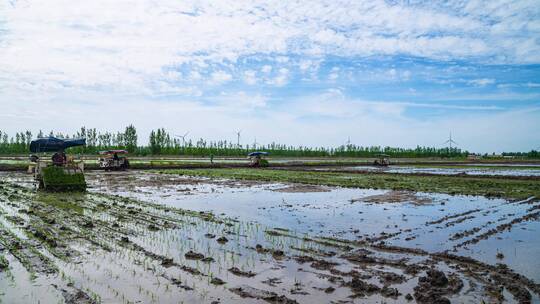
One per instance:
(485,186)
(4,264)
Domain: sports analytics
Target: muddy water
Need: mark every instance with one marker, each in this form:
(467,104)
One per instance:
(355,214)
(119,249)
(451,171)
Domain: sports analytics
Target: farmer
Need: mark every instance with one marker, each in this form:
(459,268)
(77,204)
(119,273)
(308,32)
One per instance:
(58,158)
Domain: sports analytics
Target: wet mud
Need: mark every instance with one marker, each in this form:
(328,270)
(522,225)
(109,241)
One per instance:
(103,248)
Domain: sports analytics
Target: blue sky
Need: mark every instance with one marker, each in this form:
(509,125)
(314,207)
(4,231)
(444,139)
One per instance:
(397,73)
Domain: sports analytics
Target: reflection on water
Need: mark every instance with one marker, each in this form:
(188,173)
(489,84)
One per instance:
(351,214)
(448,171)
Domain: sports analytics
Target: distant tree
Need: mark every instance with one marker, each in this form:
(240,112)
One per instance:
(154,147)
(130,138)
(28,138)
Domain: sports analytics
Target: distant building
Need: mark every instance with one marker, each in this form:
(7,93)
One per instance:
(473,157)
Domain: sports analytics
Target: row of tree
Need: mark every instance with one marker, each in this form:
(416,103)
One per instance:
(162,143)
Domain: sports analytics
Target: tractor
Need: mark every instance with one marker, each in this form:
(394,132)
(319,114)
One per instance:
(383,160)
(256,159)
(60,172)
(110,160)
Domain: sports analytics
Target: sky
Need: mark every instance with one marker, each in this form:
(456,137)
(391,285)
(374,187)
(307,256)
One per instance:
(310,73)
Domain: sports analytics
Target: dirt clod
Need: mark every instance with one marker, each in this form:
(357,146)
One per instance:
(153,227)
(271,297)
(390,292)
(217,281)
(191,255)
(433,287)
(222,240)
(241,273)
(361,288)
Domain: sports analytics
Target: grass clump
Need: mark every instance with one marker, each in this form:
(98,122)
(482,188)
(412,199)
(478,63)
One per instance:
(4,264)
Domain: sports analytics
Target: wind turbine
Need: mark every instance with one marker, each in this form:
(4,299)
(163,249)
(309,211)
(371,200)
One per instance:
(183,137)
(238,138)
(450,141)
(255,143)
(348,143)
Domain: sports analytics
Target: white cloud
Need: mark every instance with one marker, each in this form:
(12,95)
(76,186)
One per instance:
(195,75)
(306,64)
(123,44)
(281,79)
(335,104)
(406,75)
(482,82)
(78,56)
(334,74)
(240,101)
(220,77)
(512,85)
(250,77)
(266,68)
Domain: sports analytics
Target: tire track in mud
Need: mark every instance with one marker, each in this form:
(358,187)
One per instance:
(448,220)
(528,216)
(501,228)
(452,216)
(458,218)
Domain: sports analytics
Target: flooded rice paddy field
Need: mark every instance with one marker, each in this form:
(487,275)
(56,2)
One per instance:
(467,169)
(151,238)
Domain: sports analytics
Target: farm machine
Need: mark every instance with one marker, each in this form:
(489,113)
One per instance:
(59,172)
(111,160)
(383,160)
(256,159)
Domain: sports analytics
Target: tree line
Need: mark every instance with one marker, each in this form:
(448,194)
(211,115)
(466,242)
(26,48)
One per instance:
(162,143)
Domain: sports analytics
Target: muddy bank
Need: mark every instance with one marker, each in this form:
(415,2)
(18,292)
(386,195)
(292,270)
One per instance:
(396,197)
